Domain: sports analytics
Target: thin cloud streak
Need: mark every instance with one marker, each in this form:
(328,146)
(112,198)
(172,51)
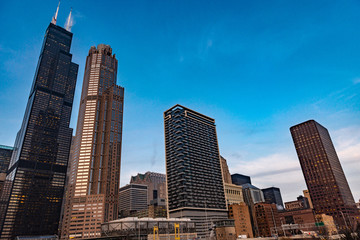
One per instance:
(282,169)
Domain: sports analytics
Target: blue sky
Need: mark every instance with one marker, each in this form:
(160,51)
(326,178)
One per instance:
(257,67)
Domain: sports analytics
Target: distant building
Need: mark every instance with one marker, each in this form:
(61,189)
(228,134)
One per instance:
(267,219)
(225,170)
(225,229)
(358,204)
(252,194)
(300,203)
(233,194)
(307,195)
(328,222)
(298,216)
(156,183)
(273,195)
(242,219)
(132,197)
(329,190)
(194,179)
(5,156)
(240,179)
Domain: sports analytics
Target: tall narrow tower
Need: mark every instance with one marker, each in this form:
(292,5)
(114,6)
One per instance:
(34,185)
(324,176)
(93,186)
(195,186)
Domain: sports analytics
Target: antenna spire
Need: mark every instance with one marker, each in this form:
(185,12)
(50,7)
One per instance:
(69,22)
(53,21)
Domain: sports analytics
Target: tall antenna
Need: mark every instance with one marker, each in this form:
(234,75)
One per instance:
(53,21)
(69,22)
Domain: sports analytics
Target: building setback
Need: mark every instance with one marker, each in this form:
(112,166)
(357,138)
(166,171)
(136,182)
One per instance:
(95,164)
(329,190)
(35,180)
(194,180)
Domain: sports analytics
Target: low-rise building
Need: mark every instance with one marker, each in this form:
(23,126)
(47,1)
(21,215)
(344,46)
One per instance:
(132,228)
(298,216)
(241,215)
(267,219)
(300,203)
(225,229)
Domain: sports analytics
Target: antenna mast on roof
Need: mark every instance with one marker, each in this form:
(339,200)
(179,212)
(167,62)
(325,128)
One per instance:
(53,21)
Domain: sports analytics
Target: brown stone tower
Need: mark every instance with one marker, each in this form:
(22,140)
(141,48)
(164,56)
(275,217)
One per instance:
(93,183)
(329,190)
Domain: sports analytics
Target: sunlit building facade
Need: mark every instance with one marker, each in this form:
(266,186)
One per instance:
(95,164)
(34,185)
(329,190)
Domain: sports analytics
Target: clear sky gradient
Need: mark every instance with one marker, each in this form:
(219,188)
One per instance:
(257,67)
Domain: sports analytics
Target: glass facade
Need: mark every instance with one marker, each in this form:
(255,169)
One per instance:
(35,180)
(239,179)
(273,195)
(329,190)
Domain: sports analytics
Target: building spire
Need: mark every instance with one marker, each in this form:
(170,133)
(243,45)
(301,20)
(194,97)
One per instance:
(69,22)
(53,21)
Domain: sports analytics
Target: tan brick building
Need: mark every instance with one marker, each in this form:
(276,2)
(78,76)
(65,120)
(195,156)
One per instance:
(241,215)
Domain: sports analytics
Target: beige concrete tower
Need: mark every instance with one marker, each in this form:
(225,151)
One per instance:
(93,182)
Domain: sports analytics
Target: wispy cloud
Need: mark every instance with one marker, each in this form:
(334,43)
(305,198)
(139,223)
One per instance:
(282,169)
(356,80)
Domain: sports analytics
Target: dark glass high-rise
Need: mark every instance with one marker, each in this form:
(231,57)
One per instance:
(195,187)
(273,195)
(35,180)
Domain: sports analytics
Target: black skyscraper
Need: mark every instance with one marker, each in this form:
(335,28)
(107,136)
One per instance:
(239,179)
(193,169)
(35,179)
(273,195)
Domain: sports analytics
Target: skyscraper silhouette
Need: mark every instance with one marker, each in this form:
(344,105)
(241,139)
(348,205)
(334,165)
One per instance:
(93,186)
(329,190)
(33,191)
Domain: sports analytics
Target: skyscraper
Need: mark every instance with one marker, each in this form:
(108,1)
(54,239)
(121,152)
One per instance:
(329,190)
(240,179)
(35,180)
(93,186)
(273,195)
(193,170)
